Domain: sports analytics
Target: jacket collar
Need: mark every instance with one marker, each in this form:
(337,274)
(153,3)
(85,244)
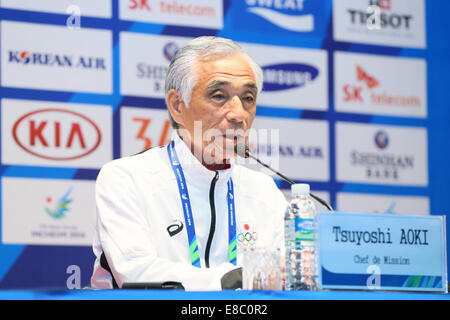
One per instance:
(194,171)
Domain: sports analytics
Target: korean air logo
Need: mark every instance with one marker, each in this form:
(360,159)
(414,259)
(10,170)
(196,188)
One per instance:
(56,60)
(169,50)
(286,14)
(291,151)
(381,140)
(284,76)
(23,57)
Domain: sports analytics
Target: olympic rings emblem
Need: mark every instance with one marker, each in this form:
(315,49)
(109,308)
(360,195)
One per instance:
(247,238)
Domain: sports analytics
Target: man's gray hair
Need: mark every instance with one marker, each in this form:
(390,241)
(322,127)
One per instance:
(181,74)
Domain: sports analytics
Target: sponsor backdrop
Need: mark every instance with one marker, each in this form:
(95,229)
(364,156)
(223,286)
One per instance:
(356,90)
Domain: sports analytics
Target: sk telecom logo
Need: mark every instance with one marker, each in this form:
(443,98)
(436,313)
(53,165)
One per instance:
(139,5)
(353,92)
(381,97)
(283,13)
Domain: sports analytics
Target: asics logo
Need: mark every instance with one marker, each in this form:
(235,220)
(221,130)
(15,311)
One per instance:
(175,228)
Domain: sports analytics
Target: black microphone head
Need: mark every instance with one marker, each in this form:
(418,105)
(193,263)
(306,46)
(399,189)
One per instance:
(242,150)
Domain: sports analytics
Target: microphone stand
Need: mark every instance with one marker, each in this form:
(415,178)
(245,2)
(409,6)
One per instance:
(321,201)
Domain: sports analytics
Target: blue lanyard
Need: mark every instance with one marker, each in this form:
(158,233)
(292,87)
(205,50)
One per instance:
(187,210)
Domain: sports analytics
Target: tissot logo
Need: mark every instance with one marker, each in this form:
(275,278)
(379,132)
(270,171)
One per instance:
(383,4)
(175,228)
(56,134)
(287,76)
(388,18)
(398,23)
(283,13)
(57,60)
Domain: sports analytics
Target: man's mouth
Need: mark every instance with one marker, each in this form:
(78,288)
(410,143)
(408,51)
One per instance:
(233,137)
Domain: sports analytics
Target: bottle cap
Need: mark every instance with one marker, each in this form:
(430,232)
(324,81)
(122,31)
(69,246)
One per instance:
(300,189)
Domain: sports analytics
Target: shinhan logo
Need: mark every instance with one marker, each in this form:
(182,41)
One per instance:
(61,206)
(285,76)
(169,50)
(59,60)
(381,140)
(270,10)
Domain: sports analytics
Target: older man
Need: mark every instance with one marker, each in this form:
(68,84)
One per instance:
(185,211)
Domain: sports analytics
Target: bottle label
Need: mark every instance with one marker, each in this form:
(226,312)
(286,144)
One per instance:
(304,230)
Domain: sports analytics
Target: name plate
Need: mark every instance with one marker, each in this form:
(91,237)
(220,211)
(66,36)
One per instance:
(382,252)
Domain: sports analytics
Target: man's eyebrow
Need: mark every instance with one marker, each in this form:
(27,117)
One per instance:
(219,83)
(251,85)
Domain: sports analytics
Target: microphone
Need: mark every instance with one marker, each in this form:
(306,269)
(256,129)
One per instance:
(243,151)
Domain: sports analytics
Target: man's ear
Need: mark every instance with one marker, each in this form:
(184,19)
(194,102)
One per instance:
(175,105)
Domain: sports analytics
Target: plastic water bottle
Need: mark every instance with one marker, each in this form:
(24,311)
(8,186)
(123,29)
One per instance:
(301,259)
(289,243)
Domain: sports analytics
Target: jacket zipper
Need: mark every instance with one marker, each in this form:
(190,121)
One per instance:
(212,228)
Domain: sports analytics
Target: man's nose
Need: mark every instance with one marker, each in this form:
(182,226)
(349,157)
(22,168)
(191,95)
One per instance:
(237,112)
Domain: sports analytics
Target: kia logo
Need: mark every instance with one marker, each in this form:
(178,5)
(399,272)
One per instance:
(56,134)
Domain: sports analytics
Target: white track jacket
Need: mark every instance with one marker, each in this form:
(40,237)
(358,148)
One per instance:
(141,233)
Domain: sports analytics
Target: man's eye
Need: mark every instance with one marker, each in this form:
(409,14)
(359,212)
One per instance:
(248,99)
(218,97)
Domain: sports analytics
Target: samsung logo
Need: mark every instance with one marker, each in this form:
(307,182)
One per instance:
(287,76)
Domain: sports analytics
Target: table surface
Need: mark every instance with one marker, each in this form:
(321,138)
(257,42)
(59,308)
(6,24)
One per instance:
(88,294)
